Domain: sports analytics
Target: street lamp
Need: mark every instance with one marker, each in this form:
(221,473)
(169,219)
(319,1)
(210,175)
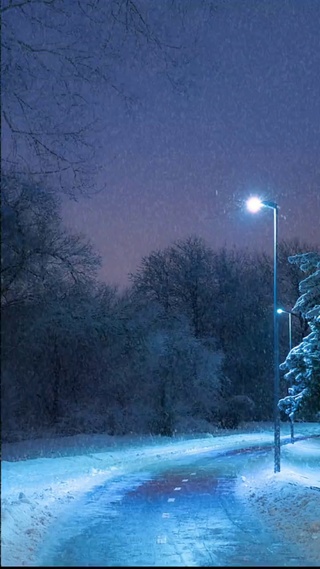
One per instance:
(289,313)
(282,311)
(254,204)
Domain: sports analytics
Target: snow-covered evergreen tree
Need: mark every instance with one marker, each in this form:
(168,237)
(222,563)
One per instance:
(302,364)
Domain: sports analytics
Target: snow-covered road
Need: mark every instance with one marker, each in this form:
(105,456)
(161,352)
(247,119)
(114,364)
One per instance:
(46,502)
(186,514)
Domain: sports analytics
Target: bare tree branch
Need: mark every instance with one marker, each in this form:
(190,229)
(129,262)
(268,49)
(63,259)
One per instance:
(61,58)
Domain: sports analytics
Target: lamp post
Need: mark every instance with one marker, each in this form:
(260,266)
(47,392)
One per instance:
(254,205)
(289,313)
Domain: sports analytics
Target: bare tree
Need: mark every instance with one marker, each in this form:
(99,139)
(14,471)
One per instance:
(181,279)
(62,60)
(36,251)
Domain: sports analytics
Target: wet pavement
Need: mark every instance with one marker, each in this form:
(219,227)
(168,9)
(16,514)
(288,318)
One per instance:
(187,515)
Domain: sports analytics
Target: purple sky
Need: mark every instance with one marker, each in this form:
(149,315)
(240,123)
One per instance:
(182,164)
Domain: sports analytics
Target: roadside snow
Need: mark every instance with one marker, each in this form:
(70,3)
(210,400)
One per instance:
(289,500)
(41,477)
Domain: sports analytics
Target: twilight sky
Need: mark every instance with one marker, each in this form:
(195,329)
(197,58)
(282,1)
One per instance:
(249,123)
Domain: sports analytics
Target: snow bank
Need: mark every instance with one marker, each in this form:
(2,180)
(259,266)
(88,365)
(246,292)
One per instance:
(289,501)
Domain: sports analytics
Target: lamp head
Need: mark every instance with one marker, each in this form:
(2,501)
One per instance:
(280,311)
(254,204)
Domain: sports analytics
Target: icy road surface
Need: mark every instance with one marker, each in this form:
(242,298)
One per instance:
(182,513)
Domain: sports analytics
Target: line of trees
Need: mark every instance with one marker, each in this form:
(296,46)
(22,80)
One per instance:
(188,344)
(190,340)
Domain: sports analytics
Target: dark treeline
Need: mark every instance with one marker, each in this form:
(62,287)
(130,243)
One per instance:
(187,345)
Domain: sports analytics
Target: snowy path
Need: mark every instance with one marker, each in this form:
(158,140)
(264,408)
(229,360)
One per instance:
(50,488)
(187,515)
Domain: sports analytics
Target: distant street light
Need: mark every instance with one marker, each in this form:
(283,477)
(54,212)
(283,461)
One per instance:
(254,204)
(289,313)
(282,311)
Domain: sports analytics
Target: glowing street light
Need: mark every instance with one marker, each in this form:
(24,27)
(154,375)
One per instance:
(289,313)
(254,204)
(282,311)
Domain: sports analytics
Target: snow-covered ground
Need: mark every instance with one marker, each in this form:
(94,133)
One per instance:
(40,479)
(289,501)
